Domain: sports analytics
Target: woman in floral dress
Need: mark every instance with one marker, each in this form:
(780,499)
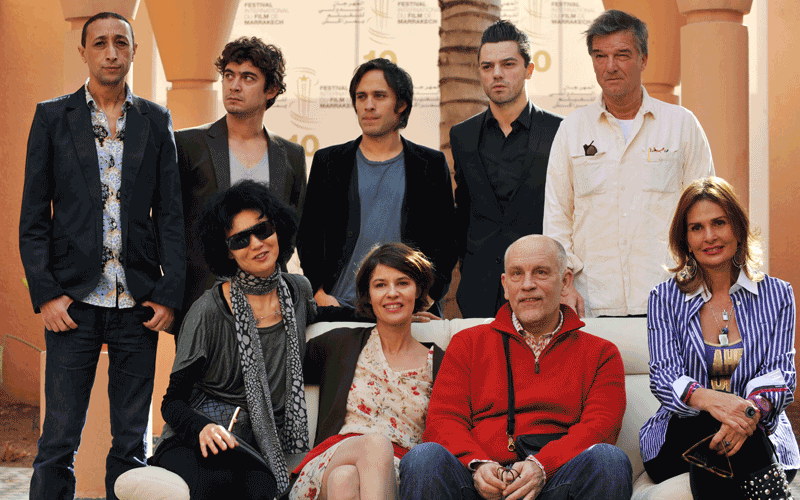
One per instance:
(375,383)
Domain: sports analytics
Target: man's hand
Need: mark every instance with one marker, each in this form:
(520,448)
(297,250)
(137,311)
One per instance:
(55,316)
(162,317)
(571,297)
(323,299)
(488,482)
(215,438)
(424,317)
(528,484)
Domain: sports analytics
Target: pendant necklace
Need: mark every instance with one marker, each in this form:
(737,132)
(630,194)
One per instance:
(723,330)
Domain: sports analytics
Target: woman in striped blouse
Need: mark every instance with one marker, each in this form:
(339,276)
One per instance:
(721,337)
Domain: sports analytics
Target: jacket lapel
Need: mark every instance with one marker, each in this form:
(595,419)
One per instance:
(137,129)
(278,162)
(535,134)
(481,188)
(217,140)
(80,125)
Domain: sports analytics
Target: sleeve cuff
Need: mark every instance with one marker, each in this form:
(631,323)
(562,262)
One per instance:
(765,384)
(533,459)
(683,388)
(475,463)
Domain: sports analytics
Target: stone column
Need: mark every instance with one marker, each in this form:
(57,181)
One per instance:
(715,86)
(190,37)
(664,23)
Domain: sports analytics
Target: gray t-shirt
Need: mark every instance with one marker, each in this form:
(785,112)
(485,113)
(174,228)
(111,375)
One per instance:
(381,189)
(259,172)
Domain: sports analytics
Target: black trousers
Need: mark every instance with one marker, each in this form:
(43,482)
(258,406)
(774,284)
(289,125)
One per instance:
(755,454)
(229,474)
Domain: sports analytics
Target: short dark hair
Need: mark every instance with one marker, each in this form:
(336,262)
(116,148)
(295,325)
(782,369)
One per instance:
(267,58)
(719,191)
(398,79)
(505,31)
(224,206)
(104,15)
(613,21)
(405,259)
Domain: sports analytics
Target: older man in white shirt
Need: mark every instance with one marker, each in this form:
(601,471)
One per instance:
(616,171)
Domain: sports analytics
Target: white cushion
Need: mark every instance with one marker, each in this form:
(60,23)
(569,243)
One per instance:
(151,483)
(674,488)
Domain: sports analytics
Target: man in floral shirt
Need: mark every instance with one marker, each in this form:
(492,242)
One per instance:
(102,243)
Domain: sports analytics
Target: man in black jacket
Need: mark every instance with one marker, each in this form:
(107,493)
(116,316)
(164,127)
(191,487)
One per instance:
(376,189)
(500,159)
(101,220)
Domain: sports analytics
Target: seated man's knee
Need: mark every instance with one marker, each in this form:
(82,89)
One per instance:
(425,456)
(608,456)
(343,483)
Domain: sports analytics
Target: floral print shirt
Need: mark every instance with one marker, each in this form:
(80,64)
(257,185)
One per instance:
(112,289)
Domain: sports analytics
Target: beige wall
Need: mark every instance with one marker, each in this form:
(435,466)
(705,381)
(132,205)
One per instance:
(783,44)
(31,59)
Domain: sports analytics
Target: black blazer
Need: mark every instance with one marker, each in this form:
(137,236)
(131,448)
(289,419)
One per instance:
(485,230)
(203,157)
(61,253)
(331,218)
(331,361)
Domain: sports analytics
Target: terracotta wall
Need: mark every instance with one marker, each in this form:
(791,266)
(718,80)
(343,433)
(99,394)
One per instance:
(31,59)
(784,146)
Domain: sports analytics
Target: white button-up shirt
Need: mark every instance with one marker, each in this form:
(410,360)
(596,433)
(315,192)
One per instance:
(612,210)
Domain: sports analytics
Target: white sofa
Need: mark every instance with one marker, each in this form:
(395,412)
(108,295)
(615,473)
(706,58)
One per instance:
(629,335)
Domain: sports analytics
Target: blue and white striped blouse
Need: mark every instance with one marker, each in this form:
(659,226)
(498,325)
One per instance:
(765,315)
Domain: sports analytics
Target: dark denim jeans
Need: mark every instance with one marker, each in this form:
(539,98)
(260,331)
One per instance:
(69,375)
(601,472)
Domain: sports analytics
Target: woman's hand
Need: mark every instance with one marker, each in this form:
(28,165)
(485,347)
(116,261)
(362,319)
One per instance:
(729,409)
(216,438)
(424,317)
(733,441)
(323,299)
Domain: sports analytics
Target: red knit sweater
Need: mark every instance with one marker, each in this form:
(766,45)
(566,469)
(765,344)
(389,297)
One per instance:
(580,389)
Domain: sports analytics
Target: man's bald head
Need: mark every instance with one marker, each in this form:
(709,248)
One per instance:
(534,280)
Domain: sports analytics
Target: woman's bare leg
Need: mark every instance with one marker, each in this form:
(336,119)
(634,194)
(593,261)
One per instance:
(372,457)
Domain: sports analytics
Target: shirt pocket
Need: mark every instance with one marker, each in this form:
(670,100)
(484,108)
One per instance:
(589,174)
(660,171)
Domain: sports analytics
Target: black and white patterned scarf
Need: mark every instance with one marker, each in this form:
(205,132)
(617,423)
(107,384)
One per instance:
(294,435)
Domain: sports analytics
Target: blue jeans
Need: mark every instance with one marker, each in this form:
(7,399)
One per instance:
(69,375)
(601,472)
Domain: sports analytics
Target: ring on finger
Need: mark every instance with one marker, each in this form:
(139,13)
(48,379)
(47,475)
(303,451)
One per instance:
(726,443)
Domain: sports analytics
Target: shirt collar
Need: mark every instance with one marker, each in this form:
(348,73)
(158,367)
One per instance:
(648,105)
(93,105)
(742,282)
(523,119)
(518,326)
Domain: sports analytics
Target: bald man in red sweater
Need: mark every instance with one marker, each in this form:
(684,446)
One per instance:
(568,384)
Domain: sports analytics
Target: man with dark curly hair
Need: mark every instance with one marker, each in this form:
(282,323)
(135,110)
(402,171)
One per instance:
(237,146)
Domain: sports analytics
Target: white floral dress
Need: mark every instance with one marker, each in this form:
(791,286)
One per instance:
(381,400)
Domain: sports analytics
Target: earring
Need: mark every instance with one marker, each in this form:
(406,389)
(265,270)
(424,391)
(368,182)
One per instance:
(740,262)
(690,268)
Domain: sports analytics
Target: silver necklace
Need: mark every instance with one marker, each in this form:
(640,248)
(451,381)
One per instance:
(276,312)
(723,330)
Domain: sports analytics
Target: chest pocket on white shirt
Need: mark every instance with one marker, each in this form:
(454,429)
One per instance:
(660,171)
(589,174)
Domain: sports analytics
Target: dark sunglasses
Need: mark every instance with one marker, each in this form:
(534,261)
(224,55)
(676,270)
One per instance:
(701,456)
(262,231)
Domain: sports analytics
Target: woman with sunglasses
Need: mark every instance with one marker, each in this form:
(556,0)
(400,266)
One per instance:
(240,346)
(721,337)
(375,383)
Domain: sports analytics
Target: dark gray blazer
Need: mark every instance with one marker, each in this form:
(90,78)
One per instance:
(203,158)
(484,229)
(62,250)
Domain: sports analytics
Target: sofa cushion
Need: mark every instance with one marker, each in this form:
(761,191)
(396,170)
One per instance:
(674,488)
(151,483)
